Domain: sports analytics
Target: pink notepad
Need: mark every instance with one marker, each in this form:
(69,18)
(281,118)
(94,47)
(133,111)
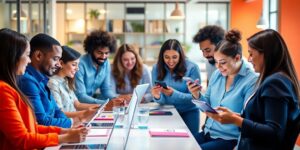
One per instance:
(105,117)
(98,133)
(168,133)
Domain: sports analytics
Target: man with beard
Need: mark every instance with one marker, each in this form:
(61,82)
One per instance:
(93,78)
(45,55)
(207,38)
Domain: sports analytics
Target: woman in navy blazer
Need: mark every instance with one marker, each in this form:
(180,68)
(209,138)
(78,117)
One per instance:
(268,112)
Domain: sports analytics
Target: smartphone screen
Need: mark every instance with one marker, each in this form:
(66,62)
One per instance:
(162,84)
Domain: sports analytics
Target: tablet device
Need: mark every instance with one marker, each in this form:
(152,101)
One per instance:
(203,106)
(162,84)
(102,124)
(101,108)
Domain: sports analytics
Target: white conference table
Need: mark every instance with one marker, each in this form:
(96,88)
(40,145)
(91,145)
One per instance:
(141,139)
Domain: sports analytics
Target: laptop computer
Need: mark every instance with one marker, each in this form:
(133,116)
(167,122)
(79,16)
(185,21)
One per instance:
(120,136)
(98,112)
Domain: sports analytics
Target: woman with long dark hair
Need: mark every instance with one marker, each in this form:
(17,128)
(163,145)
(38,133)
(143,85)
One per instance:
(171,67)
(18,127)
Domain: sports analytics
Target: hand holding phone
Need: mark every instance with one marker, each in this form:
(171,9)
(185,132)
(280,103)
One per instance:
(190,79)
(162,84)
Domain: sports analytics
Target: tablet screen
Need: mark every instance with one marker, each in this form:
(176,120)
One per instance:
(203,106)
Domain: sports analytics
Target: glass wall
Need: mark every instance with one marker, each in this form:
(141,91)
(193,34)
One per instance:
(31,16)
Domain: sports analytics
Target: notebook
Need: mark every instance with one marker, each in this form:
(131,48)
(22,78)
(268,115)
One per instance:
(98,133)
(168,133)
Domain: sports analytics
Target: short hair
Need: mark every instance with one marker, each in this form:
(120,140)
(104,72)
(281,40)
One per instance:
(231,46)
(211,32)
(42,42)
(99,39)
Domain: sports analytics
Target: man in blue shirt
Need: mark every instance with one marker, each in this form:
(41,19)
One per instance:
(207,38)
(45,55)
(93,78)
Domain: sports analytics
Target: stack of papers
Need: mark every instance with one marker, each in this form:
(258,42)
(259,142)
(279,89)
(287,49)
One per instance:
(168,133)
(98,132)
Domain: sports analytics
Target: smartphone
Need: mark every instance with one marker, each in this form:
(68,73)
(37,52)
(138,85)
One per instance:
(204,107)
(189,79)
(162,84)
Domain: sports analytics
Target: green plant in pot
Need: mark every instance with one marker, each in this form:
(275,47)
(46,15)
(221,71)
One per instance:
(94,14)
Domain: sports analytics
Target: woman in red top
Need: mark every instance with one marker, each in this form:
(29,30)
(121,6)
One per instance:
(18,127)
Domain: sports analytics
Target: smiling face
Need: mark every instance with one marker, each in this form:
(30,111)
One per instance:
(208,50)
(50,60)
(128,60)
(70,68)
(100,55)
(227,65)
(257,59)
(23,62)
(171,58)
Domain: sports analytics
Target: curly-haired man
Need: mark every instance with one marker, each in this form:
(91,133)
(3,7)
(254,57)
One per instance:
(207,38)
(93,78)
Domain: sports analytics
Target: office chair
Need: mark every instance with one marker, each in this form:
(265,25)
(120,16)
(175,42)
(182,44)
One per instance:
(293,128)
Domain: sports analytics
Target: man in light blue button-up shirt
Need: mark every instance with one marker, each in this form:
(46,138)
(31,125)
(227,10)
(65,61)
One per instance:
(93,78)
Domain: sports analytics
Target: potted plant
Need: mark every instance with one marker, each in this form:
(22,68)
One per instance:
(94,14)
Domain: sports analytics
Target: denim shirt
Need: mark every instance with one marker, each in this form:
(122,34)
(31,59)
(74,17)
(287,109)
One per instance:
(34,85)
(89,79)
(146,78)
(233,99)
(181,97)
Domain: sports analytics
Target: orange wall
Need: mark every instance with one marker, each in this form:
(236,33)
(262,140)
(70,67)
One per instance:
(289,27)
(244,16)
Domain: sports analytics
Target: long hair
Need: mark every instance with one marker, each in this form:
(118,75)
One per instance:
(118,70)
(276,56)
(12,47)
(68,55)
(180,69)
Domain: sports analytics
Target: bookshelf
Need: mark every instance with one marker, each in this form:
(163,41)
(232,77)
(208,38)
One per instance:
(145,25)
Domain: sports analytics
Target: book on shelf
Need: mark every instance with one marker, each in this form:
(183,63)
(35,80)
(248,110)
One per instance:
(168,133)
(117,26)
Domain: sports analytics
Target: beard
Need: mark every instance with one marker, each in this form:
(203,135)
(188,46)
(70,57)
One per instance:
(96,60)
(211,60)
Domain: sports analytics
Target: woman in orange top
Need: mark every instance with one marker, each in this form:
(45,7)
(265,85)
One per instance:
(18,127)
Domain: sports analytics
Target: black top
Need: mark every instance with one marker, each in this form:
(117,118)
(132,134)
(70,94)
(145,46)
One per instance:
(267,113)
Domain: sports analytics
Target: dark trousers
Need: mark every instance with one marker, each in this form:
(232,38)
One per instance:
(208,143)
(191,119)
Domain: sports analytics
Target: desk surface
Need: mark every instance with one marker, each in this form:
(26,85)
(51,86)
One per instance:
(141,139)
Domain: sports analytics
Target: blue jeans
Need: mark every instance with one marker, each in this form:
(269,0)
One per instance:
(191,119)
(208,143)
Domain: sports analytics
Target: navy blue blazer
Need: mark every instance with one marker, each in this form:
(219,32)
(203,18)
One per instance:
(266,114)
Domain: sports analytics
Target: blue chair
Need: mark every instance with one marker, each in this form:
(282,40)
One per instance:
(292,133)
